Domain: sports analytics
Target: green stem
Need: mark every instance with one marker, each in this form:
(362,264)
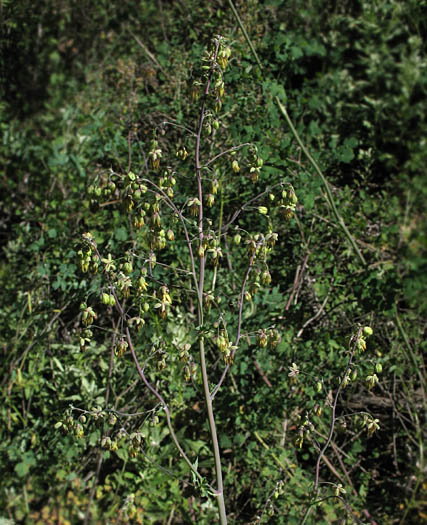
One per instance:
(212,426)
(245,34)
(221,213)
(330,198)
(325,182)
(219,493)
(411,354)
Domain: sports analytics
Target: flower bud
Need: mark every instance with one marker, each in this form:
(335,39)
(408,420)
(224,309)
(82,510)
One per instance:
(210,200)
(237,238)
(263,210)
(128,268)
(262,339)
(266,278)
(367,330)
(235,166)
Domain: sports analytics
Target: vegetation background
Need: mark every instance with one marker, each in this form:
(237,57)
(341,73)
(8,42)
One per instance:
(80,80)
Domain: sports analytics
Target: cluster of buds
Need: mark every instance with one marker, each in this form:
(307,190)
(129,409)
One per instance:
(215,252)
(184,352)
(132,192)
(339,490)
(120,347)
(225,346)
(194,205)
(368,422)
(136,443)
(224,55)
(108,299)
(372,380)
(137,321)
(218,59)
(142,284)
(109,444)
(350,375)
(155,155)
(280,489)
(288,202)
(88,314)
(103,188)
(167,181)
(85,338)
(164,302)
(182,153)
(190,370)
(361,341)
(255,167)
(269,338)
(158,239)
(88,259)
(303,432)
(72,426)
(123,283)
(372,425)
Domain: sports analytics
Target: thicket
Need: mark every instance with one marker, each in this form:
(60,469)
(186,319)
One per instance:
(120,125)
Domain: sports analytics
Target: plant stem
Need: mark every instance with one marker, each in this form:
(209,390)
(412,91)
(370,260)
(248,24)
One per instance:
(219,493)
(217,457)
(334,408)
(330,198)
(325,182)
(411,353)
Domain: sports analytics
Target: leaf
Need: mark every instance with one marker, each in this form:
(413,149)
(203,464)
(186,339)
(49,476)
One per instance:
(24,466)
(121,234)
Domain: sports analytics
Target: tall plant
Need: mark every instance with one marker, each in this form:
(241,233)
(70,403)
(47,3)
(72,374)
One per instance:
(192,262)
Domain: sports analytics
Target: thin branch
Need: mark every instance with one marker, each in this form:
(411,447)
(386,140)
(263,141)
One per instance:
(325,182)
(239,322)
(149,54)
(234,148)
(334,407)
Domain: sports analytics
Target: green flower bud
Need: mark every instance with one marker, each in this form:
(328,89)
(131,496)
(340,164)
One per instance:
(170,235)
(263,210)
(367,330)
(128,268)
(237,238)
(210,200)
(266,277)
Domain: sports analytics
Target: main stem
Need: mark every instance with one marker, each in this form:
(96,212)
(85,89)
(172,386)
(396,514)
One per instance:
(208,399)
(217,457)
